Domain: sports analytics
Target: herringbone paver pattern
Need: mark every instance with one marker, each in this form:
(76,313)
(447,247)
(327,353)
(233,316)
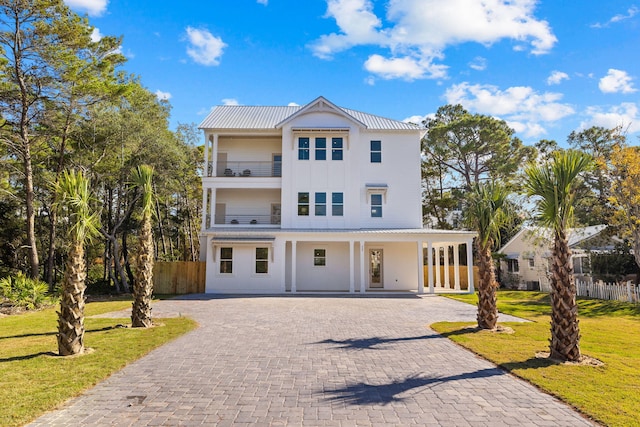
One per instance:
(313,361)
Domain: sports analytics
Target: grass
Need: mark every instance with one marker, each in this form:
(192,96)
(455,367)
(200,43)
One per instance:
(610,333)
(34,380)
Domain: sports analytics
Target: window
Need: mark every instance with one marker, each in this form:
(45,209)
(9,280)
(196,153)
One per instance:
(303,148)
(319,257)
(532,263)
(337,207)
(336,148)
(512,266)
(321,204)
(376,151)
(262,260)
(226,260)
(321,148)
(303,204)
(376,206)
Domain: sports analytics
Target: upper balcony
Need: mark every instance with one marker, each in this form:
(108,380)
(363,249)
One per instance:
(245,169)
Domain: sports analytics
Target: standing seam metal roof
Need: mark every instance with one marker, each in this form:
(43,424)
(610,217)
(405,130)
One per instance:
(256,117)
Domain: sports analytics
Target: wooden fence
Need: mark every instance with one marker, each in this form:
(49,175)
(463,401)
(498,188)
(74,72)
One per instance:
(609,291)
(179,277)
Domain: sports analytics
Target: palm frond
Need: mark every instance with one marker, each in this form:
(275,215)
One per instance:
(74,196)
(143,179)
(486,212)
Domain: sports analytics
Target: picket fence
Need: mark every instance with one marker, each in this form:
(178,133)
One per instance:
(625,291)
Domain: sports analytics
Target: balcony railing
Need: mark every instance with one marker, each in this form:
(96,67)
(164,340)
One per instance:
(246,169)
(248,219)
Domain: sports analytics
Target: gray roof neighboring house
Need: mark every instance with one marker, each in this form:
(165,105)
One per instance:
(257,117)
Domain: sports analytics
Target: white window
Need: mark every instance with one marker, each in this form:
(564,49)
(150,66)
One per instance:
(376,151)
(321,204)
(226,260)
(262,260)
(303,148)
(512,266)
(337,204)
(319,257)
(321,148)
(376,206)
(303,204)
(532,263)
(336,148)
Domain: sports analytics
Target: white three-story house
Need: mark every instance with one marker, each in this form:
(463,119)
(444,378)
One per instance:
(319,198)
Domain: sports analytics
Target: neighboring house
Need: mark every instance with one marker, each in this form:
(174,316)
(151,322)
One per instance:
(525,264)
(318,198)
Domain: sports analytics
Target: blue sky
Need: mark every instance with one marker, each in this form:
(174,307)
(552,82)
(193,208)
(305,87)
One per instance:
(545,67)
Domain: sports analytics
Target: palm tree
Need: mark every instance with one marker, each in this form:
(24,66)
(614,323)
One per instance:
(75,199)
(143,278)
(555,184)
(486,213)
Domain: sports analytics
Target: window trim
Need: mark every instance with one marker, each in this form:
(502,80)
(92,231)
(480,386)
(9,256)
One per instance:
(377,152)
(335,205)
(318,204)
(320,257)
(302,204)
(304,152)
(336,150)
(377,205)
(320,150)
(226,261)
(261,260)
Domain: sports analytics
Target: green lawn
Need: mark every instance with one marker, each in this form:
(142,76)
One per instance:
(610,333)
(33,380)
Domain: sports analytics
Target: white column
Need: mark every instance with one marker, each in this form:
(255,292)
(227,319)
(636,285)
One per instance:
(420,268)
(362,278)
(214,155)
(438,281)
(212,200)
(204,208)
(470,267)
(352,273)
(293,266)
(430,268)
(456,266)
(205,170)
(447,283)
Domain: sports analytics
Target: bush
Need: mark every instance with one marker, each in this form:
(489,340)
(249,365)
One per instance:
(24,292)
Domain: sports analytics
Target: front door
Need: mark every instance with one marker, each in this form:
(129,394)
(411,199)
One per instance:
(375,268)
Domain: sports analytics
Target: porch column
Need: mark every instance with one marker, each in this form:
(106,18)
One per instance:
(362,278)
(352,275)
(293,266)
(470,267)
(447,283)
(204,224)
(438,282)
(212,201)
(456,267)
(420,267)
(430,268)
(214,155)
(205,169)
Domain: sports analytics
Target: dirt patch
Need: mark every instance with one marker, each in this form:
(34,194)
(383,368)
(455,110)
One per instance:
(499,329)
(584,360)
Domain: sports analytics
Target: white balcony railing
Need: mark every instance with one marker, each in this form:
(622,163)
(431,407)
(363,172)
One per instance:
(246,169)
(245,219)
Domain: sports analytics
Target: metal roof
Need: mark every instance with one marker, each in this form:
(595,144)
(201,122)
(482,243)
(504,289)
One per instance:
(256,117)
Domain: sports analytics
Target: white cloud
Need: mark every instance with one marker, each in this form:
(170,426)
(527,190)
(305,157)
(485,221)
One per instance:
(626,115)
(522,107)
(479,63)
(96,36)
(163,96)
(204,48)
(264,2)
(230,101)
(419,119)
(370,80)
(631,12)
(556,77)
(91,7)
(418,31)
(293,104)
(616,81)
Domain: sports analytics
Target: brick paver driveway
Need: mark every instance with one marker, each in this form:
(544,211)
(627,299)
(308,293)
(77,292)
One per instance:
(278,361)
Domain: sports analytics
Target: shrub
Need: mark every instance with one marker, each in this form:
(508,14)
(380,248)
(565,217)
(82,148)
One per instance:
(23,291)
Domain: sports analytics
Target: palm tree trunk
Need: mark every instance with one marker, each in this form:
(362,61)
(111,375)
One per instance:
(487,298)
(565,333)
(143,279)
(71,314)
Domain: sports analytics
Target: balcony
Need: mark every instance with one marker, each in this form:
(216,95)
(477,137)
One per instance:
(251,220)
(246,169)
